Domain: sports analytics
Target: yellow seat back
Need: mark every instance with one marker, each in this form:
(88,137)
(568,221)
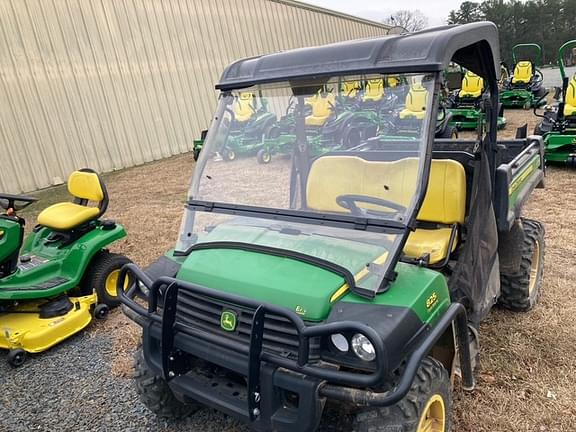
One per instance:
(570,101)
(472,85)
(392,81)
(522,72)
(416,98)
(321,108)
(244,107)
(332,176)
(350,88)
(85,185)
(374,90)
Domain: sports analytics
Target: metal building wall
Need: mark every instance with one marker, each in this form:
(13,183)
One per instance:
(110,84)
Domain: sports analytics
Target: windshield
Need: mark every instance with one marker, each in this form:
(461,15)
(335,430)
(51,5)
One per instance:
(318,160)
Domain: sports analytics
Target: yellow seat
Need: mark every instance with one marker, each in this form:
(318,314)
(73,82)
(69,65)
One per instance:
(374,90)
(444,202)
(85,185)
(244,107)
(416,100)
(472,86)
(522,72)
(321,108)
(351,88)
(392,81)
(570,102)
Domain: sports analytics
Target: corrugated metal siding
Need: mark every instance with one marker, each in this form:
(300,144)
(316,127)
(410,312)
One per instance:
(115,83)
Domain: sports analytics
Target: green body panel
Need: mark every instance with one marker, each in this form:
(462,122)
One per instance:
(10,232)
(68,262)
(560,147)
(467,118)
(304,287)
(522,179)
(517,98)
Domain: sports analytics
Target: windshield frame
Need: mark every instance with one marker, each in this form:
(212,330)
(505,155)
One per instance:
(401,227)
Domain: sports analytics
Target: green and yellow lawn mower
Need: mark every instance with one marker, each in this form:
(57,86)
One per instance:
(250,124)
(558,125)
(53,283)
(465,104)
(524,88)
(356,277)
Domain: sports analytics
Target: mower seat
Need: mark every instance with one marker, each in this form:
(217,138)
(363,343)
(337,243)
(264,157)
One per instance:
(570,102)
(321,108)
(472,86)
(392,81)
(350,89)
(374,91)
(444,203)
(244,107)
(415,103)
(522,72)
(85,185)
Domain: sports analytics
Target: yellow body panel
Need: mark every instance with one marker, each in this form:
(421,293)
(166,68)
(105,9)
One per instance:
(374,90)
(522,72)
(33,334)
(321,109)
(416,100)
(472,86)
(66,216)
(445,200)
(85,185)
(243,108)
(570,102)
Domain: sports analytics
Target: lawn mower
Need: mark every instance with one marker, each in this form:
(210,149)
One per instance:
(250,124)
(53,283)
(356,276)
(558,125)
(465,104)
(524,88)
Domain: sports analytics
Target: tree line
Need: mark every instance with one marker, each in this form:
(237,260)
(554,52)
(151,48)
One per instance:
(548,23)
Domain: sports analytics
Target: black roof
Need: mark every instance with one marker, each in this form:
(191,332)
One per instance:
(474,46)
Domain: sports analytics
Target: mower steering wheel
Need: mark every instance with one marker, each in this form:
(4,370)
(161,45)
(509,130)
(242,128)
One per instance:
(349,201)
(15,202)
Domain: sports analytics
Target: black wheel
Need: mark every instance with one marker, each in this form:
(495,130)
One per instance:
(102,277)
(228,155)
(426,407)
(449,132)
(196,154)
(17,357)
(101,311)
(520,291)
(263,156)
(155,393)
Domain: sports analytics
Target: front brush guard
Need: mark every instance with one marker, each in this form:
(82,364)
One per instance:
(339,381)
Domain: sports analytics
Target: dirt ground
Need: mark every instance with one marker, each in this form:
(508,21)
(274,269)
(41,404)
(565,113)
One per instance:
(527,379)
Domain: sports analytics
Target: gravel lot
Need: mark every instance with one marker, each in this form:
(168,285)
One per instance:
(526,384)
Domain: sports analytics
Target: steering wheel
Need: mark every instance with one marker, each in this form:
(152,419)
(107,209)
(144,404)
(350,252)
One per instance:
(15,202)
(349,201)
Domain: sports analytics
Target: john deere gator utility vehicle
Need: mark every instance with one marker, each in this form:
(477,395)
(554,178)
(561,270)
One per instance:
(358,276)
(53,283)
(558,125)
(465,104)
(523,89)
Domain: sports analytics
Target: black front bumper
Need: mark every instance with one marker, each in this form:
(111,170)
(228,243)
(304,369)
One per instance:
(280,393)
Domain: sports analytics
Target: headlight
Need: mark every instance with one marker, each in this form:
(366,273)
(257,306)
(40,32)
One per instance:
(340,342)
(363,348)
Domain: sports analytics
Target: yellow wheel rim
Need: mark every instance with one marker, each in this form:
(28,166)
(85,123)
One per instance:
(534,268)
(112,282)
(433,417)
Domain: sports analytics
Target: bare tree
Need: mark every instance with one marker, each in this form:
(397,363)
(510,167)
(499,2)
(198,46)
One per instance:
(411,20)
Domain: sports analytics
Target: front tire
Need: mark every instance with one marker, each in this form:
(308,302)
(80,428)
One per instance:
(520,290)
(155,393)
(426,407)
(102,277)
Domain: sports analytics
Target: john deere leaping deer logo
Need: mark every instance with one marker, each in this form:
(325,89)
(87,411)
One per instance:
(228,321)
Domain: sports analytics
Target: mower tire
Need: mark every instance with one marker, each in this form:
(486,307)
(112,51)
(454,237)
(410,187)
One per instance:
(263,157)
(102,276)
(228,155)
(449,132)
(427,405)
(520,290)
(17,357)
(155,393)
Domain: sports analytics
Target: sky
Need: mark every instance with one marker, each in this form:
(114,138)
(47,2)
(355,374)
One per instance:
(436,10)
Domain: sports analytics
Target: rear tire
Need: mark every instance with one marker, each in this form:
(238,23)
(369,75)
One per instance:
(263,157)
(426,407)
(520,290)
(449,132)
(228,155)
(155,393)
(102,275)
